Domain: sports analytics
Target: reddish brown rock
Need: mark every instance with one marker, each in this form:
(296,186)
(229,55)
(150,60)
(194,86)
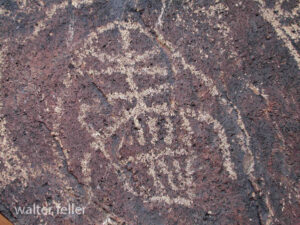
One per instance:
(150,112)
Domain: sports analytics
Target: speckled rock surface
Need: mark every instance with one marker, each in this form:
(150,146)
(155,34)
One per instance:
(150,112)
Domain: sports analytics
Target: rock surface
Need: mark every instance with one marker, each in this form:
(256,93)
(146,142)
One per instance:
(150,112)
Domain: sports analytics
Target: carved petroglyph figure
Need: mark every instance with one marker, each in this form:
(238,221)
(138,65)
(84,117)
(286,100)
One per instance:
(179,187)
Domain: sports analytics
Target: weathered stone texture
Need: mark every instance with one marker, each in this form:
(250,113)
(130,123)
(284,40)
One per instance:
(151,112)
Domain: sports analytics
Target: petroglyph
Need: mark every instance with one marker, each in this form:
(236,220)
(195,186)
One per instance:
(144,106)
(180,178)
(170,129)
(287,33)
(124,64)
(79,3)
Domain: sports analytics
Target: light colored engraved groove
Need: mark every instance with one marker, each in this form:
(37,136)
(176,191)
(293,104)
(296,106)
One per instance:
(79,3)
(151,71)
(283,32)
(141,138)
(153,129)
(86,169)
(169,126)
(187,126)
(168,200)
(70,33)
(144,93)
(159,21)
